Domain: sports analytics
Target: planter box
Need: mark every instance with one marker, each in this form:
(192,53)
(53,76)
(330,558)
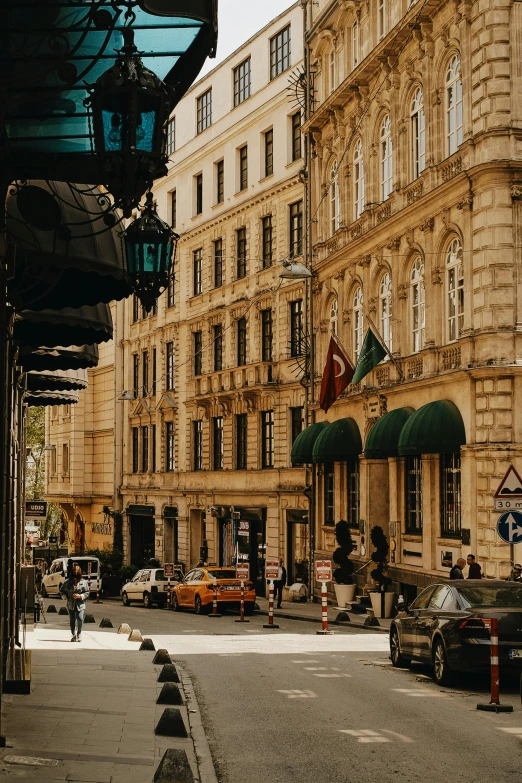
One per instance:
(344,594)
(375,598)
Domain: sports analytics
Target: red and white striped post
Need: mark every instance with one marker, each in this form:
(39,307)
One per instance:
(494,705)
(242,605)
(270,623)
(169,596)
(215,612)
(324,610)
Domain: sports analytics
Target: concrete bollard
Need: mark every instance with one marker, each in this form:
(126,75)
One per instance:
(89,619)
(168,674)
(174,766)
(171,724)
(162,656)
(371,620)
(124,628)
(63,610)
(170,694)
(51,609)
(135,636)
(343,617)
(106,623)
(147,644)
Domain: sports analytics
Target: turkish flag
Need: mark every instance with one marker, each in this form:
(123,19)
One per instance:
(337,374)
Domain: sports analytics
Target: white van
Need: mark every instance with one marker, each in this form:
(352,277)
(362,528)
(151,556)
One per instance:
(56,576)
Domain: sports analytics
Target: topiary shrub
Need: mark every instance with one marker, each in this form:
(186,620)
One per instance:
(380,557)
(343,574)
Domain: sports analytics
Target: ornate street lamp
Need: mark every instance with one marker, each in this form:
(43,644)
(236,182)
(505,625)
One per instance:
(130,106)
(150,245)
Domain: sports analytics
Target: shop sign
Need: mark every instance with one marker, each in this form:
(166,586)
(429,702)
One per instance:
(271,569)
(323,570)
(104,528)
(36,508)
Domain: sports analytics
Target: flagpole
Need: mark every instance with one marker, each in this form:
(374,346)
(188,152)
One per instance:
(383,344)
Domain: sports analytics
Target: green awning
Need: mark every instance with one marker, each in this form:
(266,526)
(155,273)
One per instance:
(339,442)
(304,444)
(383,439)
(436,428)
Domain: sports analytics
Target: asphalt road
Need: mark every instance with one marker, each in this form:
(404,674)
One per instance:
(329,708)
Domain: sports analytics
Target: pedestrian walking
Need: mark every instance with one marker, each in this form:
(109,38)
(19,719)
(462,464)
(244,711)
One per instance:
(456,571)
(474,571)
(279,583)
(76,591)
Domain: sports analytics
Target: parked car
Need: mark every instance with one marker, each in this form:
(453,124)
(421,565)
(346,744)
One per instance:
(149,586)
(57,573)
(444,627)
(196,591)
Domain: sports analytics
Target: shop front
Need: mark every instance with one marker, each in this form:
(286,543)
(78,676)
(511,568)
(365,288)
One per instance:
(298,545)
(142,534)
(242,539)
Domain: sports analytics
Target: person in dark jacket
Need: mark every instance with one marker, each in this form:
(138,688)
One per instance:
(474,571)
(279,583)
(456,571)
(75,590)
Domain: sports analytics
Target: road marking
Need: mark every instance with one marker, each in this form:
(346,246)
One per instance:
(517,732)
(308,661)
(366,736)
(299,694)
(331,675)
(316,668)
(419,692)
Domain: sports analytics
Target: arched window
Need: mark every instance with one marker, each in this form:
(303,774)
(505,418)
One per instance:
(385,310)
(455,288)
(332,70)
(358,322)
(358,179)
(334,316)
(417,304)
(418,134)
(335,200)
(454,105)
(386,158)
(355,44)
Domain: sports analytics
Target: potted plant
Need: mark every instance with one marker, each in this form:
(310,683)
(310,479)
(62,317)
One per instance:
(382,601)
(344,585)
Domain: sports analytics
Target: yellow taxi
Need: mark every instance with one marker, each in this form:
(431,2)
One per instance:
(196,591)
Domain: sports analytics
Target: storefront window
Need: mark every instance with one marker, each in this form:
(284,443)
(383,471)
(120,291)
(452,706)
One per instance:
(413,468)
(329,495)
(353,476)
(450,496)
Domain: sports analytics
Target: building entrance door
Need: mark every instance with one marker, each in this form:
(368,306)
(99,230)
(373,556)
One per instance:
(244,540)
(298,546)
(142,540)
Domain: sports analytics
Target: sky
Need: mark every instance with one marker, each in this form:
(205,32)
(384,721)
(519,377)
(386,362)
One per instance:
(239,20)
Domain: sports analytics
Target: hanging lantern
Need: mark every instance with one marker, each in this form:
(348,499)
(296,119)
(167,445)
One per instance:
(130,106)
(150,246)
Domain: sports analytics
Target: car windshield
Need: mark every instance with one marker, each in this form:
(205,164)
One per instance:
(222,573)
(160,575)
(510,595)
(84,566)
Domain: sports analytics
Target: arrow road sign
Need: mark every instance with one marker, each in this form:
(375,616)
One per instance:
(509,527)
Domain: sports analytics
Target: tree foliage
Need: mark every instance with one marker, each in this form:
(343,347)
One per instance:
(343,573)
(35,472)
(380,557)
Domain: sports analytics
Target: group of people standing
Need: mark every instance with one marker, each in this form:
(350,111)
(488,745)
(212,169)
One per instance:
(474,570)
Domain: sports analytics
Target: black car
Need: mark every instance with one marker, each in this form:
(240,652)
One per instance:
(444,627)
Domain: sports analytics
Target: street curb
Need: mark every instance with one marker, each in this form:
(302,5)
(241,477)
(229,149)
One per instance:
(206,771)
(351,624)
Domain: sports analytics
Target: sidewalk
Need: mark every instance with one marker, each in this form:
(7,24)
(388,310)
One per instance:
(312,612)
(91,714)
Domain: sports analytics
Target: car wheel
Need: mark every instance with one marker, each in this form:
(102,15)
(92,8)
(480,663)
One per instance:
(147,601)
(174,603)
(442,673)
(44,592)
(198,605)
(125,599)
(397,658)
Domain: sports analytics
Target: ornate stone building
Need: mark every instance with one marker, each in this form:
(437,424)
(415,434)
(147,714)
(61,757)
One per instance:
(416,178)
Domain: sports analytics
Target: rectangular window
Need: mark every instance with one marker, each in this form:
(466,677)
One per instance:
(266,335)
(169,366)
(135,375)
(199,194)
(198,353)
(204,111)
(169,446)
(329,495)
(413,472)
(381,18)
(171,291)
(296,229)
(153,449)
(241,251)
(135,309)
(145,374)
(220,181)
(241,441)
(269,152)
(296,136)
(65,459)
(217,433)
(450,496)
(135,449)
(242,82)
(154,373)
(332,62)
(280,52)
(171,136)
(198,444)
(173,209)
(297,420)
(241,342)
(355,44)
(197,266)
(145,449)
(218,347)
(353,496)
(268,258)
(243,168)
(267,439)
(296,328)
(218,263)
(52,468)
(154,309)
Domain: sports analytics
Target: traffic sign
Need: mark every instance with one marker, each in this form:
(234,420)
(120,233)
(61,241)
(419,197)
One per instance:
(271,569)
(168,568)
(509,527)
(243,571)
(323,570)
(510,486)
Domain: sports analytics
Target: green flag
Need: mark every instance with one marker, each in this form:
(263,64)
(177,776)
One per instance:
(371,354)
